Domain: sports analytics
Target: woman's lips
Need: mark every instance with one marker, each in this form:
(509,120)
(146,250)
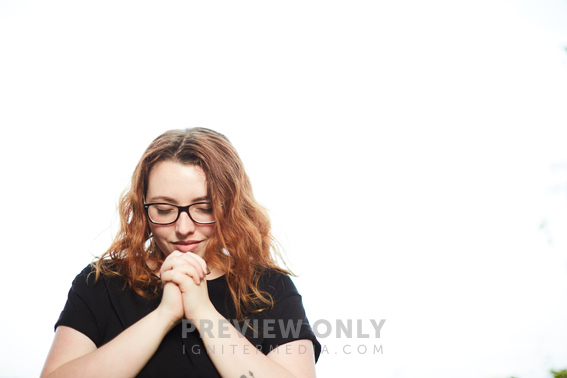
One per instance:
(187,246)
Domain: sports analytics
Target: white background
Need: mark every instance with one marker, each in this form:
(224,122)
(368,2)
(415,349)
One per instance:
(412,156)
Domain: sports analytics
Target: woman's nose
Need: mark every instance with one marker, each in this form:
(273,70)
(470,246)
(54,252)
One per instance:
(184,224)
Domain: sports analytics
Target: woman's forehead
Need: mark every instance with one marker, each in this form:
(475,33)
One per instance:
(176,181)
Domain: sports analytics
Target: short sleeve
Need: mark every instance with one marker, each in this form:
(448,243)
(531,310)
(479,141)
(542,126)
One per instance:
(79,312)
(287,320)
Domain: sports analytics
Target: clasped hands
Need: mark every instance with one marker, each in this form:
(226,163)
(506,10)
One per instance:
(185,293)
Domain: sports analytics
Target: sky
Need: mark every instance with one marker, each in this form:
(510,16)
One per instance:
(411,156)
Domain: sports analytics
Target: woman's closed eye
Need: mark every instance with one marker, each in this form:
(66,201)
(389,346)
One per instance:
(207,209)
(164,209)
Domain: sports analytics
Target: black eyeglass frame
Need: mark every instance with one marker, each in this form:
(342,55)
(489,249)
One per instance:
(180,209)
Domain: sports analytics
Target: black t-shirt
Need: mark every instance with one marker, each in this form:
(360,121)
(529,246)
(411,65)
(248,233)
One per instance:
(103,309)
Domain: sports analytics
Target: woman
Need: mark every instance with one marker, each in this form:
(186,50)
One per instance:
(189,272)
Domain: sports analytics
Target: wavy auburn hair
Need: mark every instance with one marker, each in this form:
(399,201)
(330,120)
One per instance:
(241,245)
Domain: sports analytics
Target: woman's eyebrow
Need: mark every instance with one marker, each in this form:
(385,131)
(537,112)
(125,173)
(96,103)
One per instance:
(171,200)
(161,198)
(204,198)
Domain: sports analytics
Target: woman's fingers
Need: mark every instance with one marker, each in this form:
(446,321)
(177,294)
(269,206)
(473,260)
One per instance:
(178,260)
(181,272)
(196,262)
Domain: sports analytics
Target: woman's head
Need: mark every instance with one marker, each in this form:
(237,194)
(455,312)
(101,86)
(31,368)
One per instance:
(227,184)
(239,242)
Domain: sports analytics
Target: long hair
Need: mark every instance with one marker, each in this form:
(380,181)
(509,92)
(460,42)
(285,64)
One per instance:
(241,244)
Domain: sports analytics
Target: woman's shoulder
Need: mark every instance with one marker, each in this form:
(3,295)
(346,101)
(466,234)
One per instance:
(89,277)
(277,283)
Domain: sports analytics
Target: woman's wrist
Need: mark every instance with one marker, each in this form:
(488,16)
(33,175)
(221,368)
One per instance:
(205,318)
(166,318)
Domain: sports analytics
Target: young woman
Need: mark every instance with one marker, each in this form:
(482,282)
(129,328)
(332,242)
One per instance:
(190,272)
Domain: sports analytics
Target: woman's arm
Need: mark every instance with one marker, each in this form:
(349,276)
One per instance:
(297,356)
(73,353)
(234,356)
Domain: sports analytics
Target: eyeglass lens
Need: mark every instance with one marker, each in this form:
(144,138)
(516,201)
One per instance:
(167,213)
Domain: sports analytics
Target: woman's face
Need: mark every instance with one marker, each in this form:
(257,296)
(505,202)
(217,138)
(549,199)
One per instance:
(181,185)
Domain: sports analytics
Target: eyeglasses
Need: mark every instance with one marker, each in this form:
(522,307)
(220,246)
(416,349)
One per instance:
(167,213)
